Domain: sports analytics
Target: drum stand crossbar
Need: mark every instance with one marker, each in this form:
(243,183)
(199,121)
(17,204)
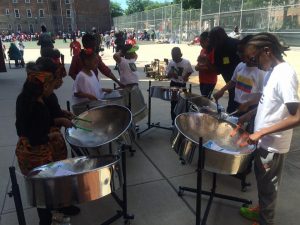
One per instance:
(150,123)
(211,194)
(15,193)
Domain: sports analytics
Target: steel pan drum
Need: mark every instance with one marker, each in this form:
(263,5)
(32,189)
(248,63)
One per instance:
(115,98)
(138,104)
(107,124)
(203,104)
(228,157)
(166,93)
(73,181)
(184,102)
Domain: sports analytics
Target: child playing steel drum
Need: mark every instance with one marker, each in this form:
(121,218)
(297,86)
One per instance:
(277,113)
(178,71)
(129,77)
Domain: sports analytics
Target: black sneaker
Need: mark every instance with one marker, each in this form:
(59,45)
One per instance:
(70,211)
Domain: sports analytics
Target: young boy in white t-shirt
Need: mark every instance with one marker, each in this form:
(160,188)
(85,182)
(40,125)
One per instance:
(247,80)
(178,70)
(277,113)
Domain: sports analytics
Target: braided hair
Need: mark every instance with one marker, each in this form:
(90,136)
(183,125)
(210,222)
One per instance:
(265,39)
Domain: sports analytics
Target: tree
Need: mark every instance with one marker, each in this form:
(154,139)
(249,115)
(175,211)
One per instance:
(142,5)
(134,6)
(189,4)
(116,9)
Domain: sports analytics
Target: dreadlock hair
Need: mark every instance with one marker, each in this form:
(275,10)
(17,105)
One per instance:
(265,39)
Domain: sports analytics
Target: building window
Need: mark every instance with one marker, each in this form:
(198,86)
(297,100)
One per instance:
(31,28)
(27,1)
(28,11)
(15,1)
(19,27)
(41,13)
(6,11)
(39,1)
(67,1)
(17,13)
(68,13)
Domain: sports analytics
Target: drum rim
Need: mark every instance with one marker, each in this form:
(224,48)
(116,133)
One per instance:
(96,146)
(117,160)
(196,142)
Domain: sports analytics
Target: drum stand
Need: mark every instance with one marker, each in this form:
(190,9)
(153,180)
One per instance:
(149,123)
(122,202)
(15,192)
(211,194)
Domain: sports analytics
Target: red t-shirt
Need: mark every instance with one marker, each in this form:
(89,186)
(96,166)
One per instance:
(209,77)
(76,67)
(131,42)
(76,47)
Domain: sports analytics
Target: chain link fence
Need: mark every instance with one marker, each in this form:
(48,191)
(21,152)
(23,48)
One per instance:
(251,16)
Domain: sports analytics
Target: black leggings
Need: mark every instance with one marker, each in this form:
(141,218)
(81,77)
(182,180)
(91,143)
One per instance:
(206,89)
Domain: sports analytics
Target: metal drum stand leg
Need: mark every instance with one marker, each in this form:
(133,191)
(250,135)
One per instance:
(211,194)
(131,150)
(122,203)
(15,193)
(149,123)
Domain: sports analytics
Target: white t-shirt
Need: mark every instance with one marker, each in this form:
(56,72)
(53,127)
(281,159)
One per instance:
(248,82)
(128,71)
(181,69)
(280,87)
(87,84)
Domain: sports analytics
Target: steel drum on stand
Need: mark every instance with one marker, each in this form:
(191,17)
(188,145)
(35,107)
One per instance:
(98,126)
(73,181)
(225,150)
(166,93)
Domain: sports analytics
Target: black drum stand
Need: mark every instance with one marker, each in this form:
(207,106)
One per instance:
(150,123)
(15,193)
(211,194)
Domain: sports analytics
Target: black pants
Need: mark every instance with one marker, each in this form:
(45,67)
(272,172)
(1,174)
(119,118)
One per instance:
(207,89)
(45,216)
(174,103)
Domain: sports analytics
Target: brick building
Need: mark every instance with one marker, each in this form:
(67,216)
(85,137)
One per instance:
(57,15)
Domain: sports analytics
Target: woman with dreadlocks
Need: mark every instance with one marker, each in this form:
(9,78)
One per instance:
(277,113)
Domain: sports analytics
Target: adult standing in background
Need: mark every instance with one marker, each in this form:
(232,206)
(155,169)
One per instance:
(2,62)
(89,43)
(45,39)
(226,58)
(75,47)
(98,39)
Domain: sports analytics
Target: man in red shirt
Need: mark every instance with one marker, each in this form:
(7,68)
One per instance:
(75,47)
(89,42)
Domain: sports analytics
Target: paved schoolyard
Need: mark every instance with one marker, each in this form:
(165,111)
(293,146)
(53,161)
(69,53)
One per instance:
(154,173)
